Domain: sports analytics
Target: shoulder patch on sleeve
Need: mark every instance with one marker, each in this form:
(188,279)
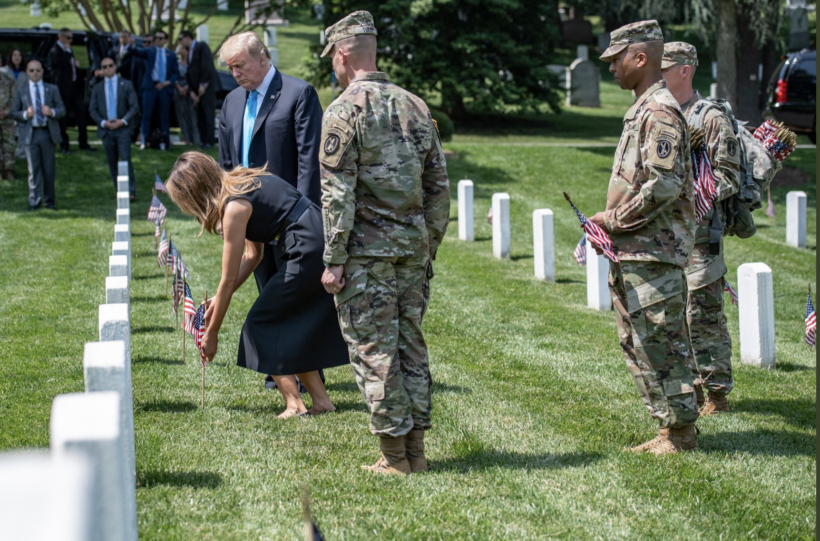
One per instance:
(662,144)
(728,147)
(337,135)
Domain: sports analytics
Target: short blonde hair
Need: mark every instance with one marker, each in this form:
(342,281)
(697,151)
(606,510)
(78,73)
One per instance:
(246,41)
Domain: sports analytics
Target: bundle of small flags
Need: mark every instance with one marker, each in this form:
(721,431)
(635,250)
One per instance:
(162,256)
(702,172)
(580,253)
(157,211)
(159,185)
(778,140)
(731,291)
(596,235)
(811,322)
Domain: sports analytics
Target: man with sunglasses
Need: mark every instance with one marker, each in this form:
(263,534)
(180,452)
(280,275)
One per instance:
(37,109)
(114,109)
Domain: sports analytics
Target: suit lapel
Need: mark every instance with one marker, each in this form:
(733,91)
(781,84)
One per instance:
(238,120)
(274,90)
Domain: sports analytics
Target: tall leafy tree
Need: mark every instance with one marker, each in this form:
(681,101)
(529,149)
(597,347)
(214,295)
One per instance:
(492,53)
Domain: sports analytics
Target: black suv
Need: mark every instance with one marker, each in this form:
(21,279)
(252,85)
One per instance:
(792,93)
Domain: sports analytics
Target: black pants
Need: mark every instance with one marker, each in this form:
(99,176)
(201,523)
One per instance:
(117,145)
(74,105)
(40,157)
(206,117)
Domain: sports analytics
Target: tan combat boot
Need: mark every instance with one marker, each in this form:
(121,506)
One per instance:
(414,447)
(393,460)
(672,440)
(715,404)
(699,393)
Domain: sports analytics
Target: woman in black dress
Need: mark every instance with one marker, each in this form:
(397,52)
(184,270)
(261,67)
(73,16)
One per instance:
(292,327)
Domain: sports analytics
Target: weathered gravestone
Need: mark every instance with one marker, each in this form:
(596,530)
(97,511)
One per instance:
(598,297)
(755,292)
(465,210)
(116,290)
(122,233)
(501,225)
(124,249)
(118,265)
(544,244)
(583,84)
(123,217)
(796,219)
(123,200)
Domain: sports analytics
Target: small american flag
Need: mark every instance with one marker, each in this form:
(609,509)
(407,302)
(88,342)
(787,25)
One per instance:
(159,185)
(811,322)
(157,211)
(162,256)
(179,290)
(188,311)
(179,265)
(731,291)
(157,233)
(198,331)
(596,235)
(580,253)
(705,193)
(173,254)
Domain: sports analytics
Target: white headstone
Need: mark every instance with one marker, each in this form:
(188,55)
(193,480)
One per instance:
(123,184)
(118,265)
(41,500)
(583,84)
(202,30)
(105,368)
(122,233)
(88,424)
(465,210)
(322,38)
(598,296)
(123,216)
(222,5)
(544,245)
(274,56)
(714,70)
(270,36)
(501,225)
(713,91)
(755,292)
(122,248)
(122,169)
(35,10)
(116,290)
(796,219)
(115,324)
(582,52)
(123,200)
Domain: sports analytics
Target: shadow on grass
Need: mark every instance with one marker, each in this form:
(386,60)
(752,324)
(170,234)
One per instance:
(760,442)
(147,277)
(192,479)
(520,257)
(149,298)
(146,253)
(567,281)
(351,387)
(342,387)
(485,459)
(167,406)
(143,234)
(799,412)
(447,388)
(157,360)
(791,367)
(151,329)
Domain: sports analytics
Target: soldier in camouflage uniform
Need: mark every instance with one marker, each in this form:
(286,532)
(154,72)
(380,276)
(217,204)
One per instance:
(650,218)
(385,205)
(8,145)
(711,343)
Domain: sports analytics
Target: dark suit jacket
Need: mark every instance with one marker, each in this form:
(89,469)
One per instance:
(150,56)
(22,100)
(127,108)
(286,135)
(59,63)
(201,68)
(123,62)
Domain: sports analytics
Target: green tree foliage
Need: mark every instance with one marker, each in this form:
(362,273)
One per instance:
(491,53)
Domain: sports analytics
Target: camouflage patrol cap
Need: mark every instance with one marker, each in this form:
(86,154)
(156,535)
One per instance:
(679,52)
(625,36)
(355,24)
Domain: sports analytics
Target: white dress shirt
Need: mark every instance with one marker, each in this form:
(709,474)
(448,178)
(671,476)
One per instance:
(33,87)
(263,88)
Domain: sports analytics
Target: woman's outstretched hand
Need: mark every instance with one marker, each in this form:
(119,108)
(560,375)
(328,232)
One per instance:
(332,279)
(209,308)
(210,343)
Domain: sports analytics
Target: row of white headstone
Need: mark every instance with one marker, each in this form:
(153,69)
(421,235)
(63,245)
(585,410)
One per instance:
(85,488)
(754,280)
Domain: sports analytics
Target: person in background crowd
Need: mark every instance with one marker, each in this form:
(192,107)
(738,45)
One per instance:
(37,109)
(123,55)
(137,75)
(16,66)
(202,79)
(161,72)
(113,108)
(8,88)
(65,71)
(186,113)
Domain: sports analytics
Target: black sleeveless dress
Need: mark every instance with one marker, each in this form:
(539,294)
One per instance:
(292,327)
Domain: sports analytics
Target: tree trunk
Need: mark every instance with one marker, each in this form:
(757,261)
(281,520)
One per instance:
(726,64)
(452,102)
(748,62)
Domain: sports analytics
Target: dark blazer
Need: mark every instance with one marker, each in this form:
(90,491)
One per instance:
(124,61)
(150,56)
(286,135)
(127,108)
(201,68)
(59,63)
(22,100)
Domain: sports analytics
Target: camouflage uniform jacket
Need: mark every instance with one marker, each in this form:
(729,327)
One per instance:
(8,87)
(385,190)
(650,212)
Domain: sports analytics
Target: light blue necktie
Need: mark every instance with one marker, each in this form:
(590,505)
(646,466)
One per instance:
(112,100)
(247,126)
(159,66)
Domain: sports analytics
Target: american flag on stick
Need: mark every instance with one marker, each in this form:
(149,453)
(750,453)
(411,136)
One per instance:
(198,331)
(580,253)
(179,291)
(159,185)
(162,256)
(811,322)
(188,311)
(157,211)
(727,288)
(703,174)
(157,234)
(173,254)
(596,235)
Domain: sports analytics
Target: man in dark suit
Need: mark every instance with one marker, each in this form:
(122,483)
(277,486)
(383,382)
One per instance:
(137,73)
(114,108)
(65,73)
(37,109)
(272,120)
(202,82)
(161,72)
(123,55)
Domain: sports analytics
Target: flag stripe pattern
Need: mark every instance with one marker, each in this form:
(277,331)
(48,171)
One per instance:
(705,193)
(188,311)
(179,290)
(162,256)
(198,329)
(157,211)
(580,253)
(596,235)
(157,233)
(158,184)
(731,291)
(811,322)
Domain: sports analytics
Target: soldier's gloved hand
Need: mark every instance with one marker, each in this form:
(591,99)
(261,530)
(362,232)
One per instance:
(332,279)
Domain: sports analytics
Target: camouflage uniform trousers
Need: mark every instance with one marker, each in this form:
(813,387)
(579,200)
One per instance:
(8,145)
(709,335)
(649,298)
(381,324)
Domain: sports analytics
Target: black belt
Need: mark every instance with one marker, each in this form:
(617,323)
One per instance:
(293,216)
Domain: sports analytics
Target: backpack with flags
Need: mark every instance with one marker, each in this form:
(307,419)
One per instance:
(761,155)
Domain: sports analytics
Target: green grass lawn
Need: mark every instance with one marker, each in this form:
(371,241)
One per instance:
(532,402)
